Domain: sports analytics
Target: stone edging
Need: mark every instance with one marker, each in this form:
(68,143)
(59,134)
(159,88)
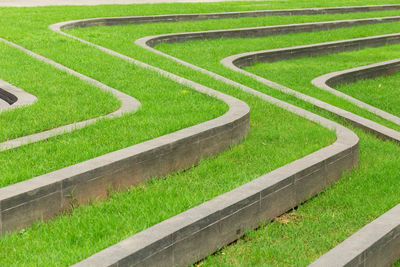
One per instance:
(46,195)
(151,41)
(376,244)
(235,62)
(108,21)
(14,96)
(128,104)
(191,235)
(327,81)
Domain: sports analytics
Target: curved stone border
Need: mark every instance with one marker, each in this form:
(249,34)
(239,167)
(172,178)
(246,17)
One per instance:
(128,104)
(327,81)
(192,235)
(151,41)
(235,62)
(376,244)
(46,195)
(312,50)
(204,16)
(14,97)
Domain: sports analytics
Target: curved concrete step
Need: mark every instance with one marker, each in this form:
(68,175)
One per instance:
(382,243)
(49,194)
(376,244)
(236,62)
(327,81)
(128,104)
(203,229)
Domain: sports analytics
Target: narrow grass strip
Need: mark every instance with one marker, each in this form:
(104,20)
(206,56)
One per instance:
(82,59)
(380,92)
(77,236)
(303,235)
(219,49)
(62,99)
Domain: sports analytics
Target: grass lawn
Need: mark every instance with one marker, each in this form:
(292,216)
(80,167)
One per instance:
(299,237)
(297,73)
(62,98)
(276,138)
(381,92)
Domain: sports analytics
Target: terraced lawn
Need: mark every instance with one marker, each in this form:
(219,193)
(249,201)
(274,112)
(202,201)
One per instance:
(297,73)
(62,98)
(276,137)
(381,92)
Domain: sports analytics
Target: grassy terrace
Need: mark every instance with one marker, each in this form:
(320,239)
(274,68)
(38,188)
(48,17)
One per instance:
(294,72)
(270,144)
(185,108)
(294,78)
(62,98)
(303,235)
(382,92)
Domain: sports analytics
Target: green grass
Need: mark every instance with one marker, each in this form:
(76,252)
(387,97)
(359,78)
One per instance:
(62,98)
(294,70)
(316,66)
(90,228)
(29,28)
(381,92)
(71,238)
(301,236)
(166,107)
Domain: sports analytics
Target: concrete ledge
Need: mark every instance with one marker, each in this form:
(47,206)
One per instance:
(327,81)
(13,96)
(236,62)
(376,244)
(152,41)
(128,103)
(272,55)
(204,16)
(46,195)
(194,234)
(191,235)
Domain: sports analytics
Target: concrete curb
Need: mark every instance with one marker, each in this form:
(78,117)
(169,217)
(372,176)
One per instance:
(376,244)
(14,97)
(46,195)
(151,41)
(236,62)
(191,235)
(108,21)
(128,104)
(327,81)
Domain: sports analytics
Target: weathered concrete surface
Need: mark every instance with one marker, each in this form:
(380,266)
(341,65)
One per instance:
(46,195)
(236,62)
(190,236)
(328,81)
(128,103)
(376,244)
